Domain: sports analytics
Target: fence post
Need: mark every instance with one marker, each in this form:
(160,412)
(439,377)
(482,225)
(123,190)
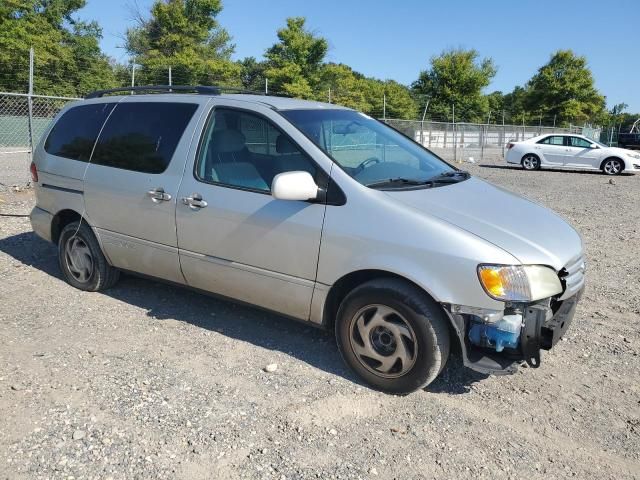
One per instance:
(424,114)
(455,138)
(504,134)
(483,133)
(384,106)
(30,100)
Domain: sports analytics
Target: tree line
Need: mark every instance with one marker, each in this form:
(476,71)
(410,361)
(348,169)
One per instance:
(186,36)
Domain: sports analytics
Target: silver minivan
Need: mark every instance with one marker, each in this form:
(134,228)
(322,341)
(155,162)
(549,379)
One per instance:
(315,211)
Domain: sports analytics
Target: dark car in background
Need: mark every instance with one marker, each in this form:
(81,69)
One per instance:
(629,140)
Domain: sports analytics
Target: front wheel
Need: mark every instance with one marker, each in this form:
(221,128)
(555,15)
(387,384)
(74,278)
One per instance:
(393,335)
(530,162)
(612,166)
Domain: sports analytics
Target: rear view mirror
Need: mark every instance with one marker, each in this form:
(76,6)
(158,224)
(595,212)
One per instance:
(297,185)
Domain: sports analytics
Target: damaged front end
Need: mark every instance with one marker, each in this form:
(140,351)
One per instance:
(495,341)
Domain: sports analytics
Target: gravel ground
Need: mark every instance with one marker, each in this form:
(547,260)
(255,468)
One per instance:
(14,168)
(153,381)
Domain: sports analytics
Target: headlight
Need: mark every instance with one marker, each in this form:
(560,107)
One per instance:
(519,283)
(634,155)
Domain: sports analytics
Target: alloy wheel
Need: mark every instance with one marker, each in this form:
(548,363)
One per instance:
(530,162)
(612,167)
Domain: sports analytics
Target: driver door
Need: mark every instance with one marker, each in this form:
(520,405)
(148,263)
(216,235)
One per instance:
(234,238)
(580,154)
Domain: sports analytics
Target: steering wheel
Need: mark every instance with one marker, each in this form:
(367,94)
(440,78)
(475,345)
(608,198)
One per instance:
(365,163)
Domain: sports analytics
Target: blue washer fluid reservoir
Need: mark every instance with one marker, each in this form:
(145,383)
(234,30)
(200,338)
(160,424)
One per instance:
(498,335)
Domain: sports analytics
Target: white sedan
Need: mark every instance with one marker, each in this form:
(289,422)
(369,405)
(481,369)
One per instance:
(571,152)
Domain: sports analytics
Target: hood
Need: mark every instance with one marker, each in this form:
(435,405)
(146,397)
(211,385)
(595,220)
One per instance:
(531,233)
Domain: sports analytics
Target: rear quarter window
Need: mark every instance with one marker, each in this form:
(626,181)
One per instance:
(142,136)
(75,132)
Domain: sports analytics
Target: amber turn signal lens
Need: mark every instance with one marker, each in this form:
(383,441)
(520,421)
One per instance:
(492,281)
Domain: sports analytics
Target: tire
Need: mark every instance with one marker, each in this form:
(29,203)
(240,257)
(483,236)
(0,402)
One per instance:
(612,166)
(530,162)
(379,316)
(81,260)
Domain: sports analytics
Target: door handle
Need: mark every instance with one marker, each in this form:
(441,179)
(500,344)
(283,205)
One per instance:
(195,201)
(158,195)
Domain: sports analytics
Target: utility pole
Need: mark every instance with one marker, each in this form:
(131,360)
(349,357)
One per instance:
(384,106)
(266,86)
(504,134)
(170,79)
(30,99)
(554,123)
(133,74)
(329,94)
(455,139)
(424,114)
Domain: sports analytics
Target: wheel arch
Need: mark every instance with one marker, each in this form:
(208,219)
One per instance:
(347,283)
(532,154)
(613,157)
(61,220)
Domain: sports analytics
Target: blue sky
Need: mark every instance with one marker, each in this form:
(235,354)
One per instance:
(396,39)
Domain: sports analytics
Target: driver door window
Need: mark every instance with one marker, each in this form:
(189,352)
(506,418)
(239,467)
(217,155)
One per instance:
(579,142)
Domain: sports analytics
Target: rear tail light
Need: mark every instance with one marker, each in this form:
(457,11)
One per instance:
(510,145)
(34,172)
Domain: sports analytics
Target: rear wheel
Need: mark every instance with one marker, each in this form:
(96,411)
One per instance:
(612,166)
(530,162)
(81,260)
(392,335)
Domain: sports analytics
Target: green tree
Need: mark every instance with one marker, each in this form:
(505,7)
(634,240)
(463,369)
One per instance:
(456,77)
(252,74)
(68,60)
(515,105)
(345,86)
(183,35)
(564,88)
(295,60)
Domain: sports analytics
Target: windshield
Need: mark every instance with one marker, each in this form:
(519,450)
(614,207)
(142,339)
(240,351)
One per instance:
(371,152)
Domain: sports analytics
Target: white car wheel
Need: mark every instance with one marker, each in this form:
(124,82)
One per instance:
(530,162)
(612,166)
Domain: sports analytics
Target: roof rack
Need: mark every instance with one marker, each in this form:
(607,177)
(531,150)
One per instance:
(199,89)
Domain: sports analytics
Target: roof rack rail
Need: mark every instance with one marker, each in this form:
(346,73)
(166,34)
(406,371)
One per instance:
(199,89)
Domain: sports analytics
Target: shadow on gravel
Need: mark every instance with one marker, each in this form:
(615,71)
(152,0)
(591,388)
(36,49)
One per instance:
(163,301)
(455,379)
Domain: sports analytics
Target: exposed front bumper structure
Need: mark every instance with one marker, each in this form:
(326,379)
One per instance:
(543,326)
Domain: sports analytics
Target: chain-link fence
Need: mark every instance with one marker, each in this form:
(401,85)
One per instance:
(23,120)
(473,141)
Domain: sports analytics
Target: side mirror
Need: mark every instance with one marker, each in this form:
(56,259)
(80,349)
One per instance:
(294,186)
(595,145)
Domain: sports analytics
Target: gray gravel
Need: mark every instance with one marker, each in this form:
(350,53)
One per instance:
(152,381)
(14,168)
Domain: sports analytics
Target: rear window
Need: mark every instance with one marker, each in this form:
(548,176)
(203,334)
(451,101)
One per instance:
(74,134)
(554,140)
(142,136)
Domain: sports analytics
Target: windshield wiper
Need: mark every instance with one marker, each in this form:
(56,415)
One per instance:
(449,177)
(398,181)
(445,177)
